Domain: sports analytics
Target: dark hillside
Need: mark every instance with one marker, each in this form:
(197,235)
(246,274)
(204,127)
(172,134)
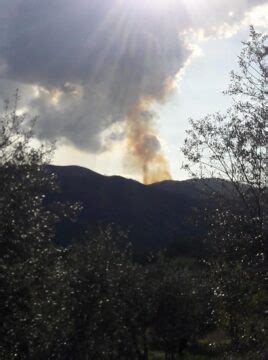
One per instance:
(154,215)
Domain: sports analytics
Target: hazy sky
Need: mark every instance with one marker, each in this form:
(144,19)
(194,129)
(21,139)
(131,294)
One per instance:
(115,81)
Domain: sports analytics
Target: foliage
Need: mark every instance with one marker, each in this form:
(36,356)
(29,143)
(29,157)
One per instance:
(29,268)
(182,302)
(231,146)
(122,309)
(103,283)
(237,280)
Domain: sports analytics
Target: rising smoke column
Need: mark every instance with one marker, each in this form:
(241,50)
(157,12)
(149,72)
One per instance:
(144,153)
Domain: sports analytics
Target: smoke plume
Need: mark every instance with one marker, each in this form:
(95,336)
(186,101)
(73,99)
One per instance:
(144,153)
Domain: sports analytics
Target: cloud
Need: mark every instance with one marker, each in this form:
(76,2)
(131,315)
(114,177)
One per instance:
(83,64)
(225,19)
(103,48)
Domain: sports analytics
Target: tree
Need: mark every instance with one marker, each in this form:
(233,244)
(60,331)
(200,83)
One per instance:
(29,263)
(231,146)
(236,280)
(182,307)
(107,299)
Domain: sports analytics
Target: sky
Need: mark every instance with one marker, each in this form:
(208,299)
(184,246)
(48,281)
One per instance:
(114,82)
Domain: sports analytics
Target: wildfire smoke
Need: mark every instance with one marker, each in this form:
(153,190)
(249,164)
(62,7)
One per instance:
(144,152)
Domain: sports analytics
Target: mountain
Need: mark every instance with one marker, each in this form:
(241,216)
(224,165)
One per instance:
(154,216)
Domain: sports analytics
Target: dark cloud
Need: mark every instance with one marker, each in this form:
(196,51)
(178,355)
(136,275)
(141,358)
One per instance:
(92,60)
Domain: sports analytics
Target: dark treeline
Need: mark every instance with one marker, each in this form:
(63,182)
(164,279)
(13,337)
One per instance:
(95,299)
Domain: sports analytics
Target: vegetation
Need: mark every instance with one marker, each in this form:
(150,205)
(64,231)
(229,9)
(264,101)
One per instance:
(94,300)
(232,146)
(30,267)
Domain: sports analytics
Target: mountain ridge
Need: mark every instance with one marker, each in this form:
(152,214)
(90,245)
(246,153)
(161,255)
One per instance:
(154,216)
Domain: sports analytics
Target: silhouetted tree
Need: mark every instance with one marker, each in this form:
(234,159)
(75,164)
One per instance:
(237,280)
(182,307)
(108,300)
(29,262)
(232,146)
